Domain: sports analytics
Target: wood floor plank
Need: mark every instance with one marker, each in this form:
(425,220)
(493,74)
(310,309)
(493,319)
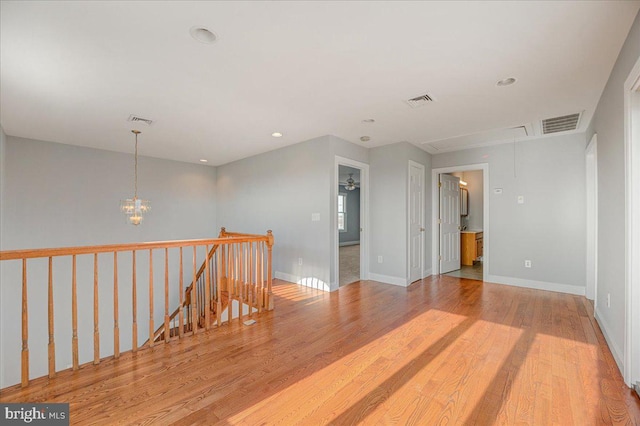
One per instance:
(444,350)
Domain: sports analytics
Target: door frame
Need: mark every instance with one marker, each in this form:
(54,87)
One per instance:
(632,225)
(422,239)
(591,166)
(435,214)
(364,220)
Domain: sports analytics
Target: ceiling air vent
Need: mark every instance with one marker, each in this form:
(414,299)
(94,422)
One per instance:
(137,119)
(560,124)
(420,101)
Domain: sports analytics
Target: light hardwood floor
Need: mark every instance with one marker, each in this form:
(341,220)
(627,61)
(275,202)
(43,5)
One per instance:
(445,350)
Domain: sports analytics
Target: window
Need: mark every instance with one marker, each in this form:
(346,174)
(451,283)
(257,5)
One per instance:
(342,212)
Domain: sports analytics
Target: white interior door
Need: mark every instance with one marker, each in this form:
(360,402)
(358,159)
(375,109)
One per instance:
(416,221)
(449,223)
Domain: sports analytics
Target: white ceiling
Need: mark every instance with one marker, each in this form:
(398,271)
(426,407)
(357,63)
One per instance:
(73,72)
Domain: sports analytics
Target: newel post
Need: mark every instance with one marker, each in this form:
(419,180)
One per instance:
(269,270)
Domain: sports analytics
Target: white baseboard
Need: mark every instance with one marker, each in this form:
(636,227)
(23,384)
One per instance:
(615,350)
(304,281)
(537,285)
(349,243)
(388,279)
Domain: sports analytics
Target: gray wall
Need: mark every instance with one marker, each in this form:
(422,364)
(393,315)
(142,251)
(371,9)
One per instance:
(280,190)
(549,228)
(352,234)
(60,195)
(608,123)
(389,170)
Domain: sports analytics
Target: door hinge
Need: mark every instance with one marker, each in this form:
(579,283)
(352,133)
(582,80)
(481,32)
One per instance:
(439,221)
(439,184)
(439,257)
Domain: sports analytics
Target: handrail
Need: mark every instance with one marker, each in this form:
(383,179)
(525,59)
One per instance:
(68,251)
(233,261)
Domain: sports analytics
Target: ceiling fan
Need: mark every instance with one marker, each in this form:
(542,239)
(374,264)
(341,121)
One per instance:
(350,184)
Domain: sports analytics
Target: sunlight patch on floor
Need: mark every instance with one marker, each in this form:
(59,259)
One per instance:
(343,381)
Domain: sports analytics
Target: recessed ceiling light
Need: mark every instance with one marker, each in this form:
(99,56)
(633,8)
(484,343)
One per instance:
(276,134)
(369,120)
(506,82)
(365,138)
(202,160)
(203,35)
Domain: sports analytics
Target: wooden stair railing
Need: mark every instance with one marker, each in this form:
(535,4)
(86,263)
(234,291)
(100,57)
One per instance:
(236,267)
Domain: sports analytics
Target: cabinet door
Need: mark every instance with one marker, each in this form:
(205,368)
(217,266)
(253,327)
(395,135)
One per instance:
(479,247)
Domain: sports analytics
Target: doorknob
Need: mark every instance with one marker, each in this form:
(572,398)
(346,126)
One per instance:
(421,229)
(459,228)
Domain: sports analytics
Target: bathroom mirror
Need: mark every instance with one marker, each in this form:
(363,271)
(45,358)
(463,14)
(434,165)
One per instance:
(464,202)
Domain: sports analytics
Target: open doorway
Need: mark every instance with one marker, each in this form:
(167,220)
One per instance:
(460,212)
(348,224)
(350,247)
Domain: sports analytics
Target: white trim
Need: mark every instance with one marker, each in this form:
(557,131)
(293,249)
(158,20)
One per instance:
(364,220)
(386,279)
(427,273)
(632,228)
(537,285)
(422,239)
(435,214)
(615,350)
(591,175)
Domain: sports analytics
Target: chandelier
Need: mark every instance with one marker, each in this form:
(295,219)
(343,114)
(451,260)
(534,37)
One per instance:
(135,208)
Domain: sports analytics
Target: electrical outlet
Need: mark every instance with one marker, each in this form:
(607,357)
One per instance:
(608,300)
(299,261)
(527,264)
(379,259)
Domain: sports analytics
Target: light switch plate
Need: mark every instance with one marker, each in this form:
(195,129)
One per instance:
(315,217)
(520,199)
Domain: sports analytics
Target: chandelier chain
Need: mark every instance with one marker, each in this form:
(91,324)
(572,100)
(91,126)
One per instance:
(135,190)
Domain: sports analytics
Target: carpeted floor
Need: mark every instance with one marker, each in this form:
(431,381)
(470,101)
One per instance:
(349,264)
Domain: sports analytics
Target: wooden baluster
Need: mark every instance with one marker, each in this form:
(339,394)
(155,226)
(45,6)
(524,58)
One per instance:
(181,312)
(116,325)
(251,286)
(134,299)
(207,290)
(96,329)
(219,281)
(270,270)
(167,329)
(257,276)
(261,276)
(25,328)
(52,345)
(230,278)
(242,278)
(194,296)
(74,312)
(151,329)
